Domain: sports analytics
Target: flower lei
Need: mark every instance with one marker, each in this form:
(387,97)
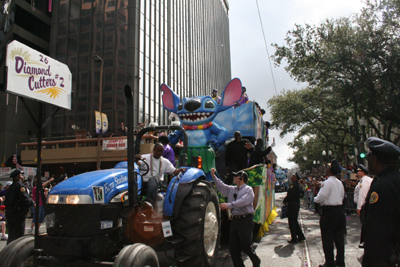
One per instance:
(197,127)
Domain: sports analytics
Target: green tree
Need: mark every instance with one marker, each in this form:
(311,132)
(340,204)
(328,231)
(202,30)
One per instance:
(344,58)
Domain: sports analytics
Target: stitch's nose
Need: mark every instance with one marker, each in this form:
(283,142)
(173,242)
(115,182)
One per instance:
(192,105)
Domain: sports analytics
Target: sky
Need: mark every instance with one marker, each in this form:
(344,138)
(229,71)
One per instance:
(249,58)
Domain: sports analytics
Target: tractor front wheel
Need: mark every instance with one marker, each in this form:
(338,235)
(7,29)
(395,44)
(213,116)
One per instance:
(18,253)
(136,255)
(199,224)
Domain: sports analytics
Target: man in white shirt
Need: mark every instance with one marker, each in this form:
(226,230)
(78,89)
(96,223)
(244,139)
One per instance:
(158,166)
(364,185)
(332,222)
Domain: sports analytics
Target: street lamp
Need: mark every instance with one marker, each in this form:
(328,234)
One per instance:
(350,123)
(97,58)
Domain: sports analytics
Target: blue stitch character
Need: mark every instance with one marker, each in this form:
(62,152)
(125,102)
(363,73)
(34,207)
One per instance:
(197,114)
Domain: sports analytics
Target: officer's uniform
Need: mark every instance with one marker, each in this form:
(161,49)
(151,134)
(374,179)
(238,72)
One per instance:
(382,210)
(332,222)
(17,204)
(293,202)
(363,185)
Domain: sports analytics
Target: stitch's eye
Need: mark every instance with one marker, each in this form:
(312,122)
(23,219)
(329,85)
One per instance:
(209,104)
(180,106)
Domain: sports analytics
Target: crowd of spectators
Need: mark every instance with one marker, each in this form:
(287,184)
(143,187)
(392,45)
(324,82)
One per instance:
(312,183)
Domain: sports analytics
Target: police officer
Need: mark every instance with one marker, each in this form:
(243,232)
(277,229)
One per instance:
(382,206)
(240,201)
(292,200)
(364,185)
(332,222)
(17,204)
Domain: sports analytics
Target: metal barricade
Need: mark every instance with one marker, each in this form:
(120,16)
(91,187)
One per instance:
(349,205)
(308,202)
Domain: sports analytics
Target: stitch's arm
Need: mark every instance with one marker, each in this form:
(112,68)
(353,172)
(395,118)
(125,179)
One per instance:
(221,134)
(175,136)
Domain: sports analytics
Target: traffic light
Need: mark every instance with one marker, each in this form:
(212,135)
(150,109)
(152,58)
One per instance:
(363,155)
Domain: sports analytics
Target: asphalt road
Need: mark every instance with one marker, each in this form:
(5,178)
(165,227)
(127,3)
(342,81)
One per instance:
(274,250)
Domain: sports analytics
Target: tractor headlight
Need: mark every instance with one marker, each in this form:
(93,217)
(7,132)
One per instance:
(69,199)
(121,197)
(52,199)
(72,199)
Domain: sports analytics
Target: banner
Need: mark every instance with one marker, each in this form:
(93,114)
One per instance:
(98,122)
(104,124)
(5,171)
(119,144)
(37,76)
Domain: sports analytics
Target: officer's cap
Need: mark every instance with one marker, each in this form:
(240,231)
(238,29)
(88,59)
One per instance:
(298,176)
(335,167)
(16,172)
(215,90)
(363,169)
(383,147)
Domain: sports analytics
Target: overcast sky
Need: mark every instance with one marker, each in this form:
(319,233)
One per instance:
(249,57)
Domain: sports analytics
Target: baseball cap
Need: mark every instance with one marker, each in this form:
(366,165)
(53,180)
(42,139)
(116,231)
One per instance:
(241,174)
(2,207)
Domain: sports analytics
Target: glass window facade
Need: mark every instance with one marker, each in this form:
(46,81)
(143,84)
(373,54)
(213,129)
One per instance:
(184,44)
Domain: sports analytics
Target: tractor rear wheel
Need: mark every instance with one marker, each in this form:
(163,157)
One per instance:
(199,223)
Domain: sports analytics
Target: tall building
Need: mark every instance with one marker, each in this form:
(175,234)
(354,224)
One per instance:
(184,44)
(28,22)
(108,44)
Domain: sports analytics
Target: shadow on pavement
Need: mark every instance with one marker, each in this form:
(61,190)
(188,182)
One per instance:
(284,251)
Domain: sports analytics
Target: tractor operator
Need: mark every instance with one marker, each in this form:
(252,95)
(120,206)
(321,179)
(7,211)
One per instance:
(158,166)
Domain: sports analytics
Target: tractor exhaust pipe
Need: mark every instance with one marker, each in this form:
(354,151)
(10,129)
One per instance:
(132,175)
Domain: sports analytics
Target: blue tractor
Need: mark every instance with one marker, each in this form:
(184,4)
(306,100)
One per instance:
(97,218)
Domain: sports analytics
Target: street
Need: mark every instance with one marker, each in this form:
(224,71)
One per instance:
(274,251)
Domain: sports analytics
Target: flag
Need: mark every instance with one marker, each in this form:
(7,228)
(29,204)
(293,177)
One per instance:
(4,162)
(98,122)
(15,160)
(104,124)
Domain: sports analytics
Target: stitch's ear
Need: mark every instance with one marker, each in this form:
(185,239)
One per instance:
(232,93)
(169,98)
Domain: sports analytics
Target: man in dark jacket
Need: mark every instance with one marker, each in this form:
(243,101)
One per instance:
(257,157)
(381,226)
(292,200)
(17,205)
(236,155)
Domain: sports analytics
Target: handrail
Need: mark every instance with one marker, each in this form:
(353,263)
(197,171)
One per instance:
(86,140)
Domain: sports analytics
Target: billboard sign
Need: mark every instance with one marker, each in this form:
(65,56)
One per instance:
(37,76)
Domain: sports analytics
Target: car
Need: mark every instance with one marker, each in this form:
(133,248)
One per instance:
(279,187)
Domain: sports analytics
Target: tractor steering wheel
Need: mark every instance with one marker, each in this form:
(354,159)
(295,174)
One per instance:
(145,169)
